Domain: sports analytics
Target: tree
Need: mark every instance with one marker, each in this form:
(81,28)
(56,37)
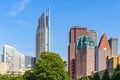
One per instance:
(6,77)
(84,78)
(116,75)
(106,75)
(17,77)
(29,75)
(50,66)
(96,76)
(117,68)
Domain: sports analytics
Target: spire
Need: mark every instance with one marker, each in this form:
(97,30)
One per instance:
(104,44)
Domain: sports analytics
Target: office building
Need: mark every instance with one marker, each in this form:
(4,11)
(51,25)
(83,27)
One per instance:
(93,35)
(114,46)
(29,62)
(84,57)
(104,50)
(43,34)
(75,32)
(15,60)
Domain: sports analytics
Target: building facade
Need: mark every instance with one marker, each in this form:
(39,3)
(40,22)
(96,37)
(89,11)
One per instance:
(74,34)
(114,46)
(93,35)
(15,60)
(29,62)
(43,34)
(112,62)
(3,68)
(84,57)
(104,50)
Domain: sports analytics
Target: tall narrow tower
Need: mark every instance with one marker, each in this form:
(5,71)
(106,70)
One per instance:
(104,50)
(43,34)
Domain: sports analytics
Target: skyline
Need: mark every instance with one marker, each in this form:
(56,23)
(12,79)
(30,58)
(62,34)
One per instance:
(18,22)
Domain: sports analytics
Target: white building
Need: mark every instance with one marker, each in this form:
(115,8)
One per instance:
(15,60)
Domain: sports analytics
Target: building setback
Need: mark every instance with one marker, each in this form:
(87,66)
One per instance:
(104,50)
(43,34)
(84,57)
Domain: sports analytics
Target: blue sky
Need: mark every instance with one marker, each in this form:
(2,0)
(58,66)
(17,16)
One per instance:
(19,20)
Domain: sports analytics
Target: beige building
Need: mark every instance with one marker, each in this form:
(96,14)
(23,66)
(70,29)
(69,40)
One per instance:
(3,68)
(112,62)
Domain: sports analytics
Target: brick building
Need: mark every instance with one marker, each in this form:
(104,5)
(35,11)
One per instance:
(104,50)
(74,34)
(84,57)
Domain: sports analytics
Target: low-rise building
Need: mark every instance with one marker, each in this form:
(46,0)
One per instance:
(3,68)
(112,62)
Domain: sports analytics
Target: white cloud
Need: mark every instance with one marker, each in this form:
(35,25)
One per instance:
(18,7)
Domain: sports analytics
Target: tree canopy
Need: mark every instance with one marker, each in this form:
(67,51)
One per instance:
(50,66)
(106,75)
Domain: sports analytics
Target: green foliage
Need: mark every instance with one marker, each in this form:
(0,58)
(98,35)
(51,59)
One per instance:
(91,78)
(29,75)
(96,76)
(50,66)
(116,75)
(6,77)
(84,78)
(78,79)
(17,77)
(117,68)
(106,75)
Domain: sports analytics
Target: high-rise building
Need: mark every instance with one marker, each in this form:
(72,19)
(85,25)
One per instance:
(75,32)
(114,46)
(104,50)
(43,34)
(16,61)
(84,57)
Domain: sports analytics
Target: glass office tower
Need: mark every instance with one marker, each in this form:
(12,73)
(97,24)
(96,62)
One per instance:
(42,34)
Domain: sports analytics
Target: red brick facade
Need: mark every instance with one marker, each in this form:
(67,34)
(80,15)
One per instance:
(73,36)
(104,51)
(85,62)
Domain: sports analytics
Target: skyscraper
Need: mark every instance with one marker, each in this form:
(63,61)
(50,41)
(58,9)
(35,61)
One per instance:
(75,32)
(114,46)
(84,57)
(104,50)
(43,34)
